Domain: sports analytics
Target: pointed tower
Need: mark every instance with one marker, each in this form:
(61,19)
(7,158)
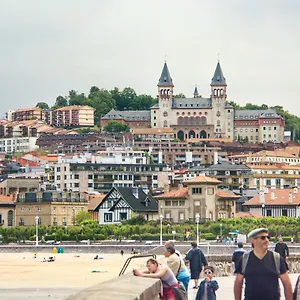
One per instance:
(218,83)
(218,102)
(165,98)
(196,94)
(165,83)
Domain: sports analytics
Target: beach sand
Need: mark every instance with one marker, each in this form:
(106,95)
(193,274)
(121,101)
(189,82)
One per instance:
(25,277)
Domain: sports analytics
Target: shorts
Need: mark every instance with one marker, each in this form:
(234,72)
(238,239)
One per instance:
(167,292)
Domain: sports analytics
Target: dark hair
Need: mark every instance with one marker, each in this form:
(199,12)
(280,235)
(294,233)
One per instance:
(153,261)
(240,245)
(194,244)
(170,249)
(209,268)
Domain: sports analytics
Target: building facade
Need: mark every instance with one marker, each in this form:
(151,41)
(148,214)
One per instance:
(52,208)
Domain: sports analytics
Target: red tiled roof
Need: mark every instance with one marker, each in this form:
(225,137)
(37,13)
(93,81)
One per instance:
(226,194)
(202,179)
(95,200)
(178,193)
(281,197)
(6,199)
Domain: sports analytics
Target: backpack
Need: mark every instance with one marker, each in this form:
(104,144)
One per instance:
(245,258)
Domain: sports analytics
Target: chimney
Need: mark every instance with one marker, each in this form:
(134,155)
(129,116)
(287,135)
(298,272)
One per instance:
(290,197)
(272,196)
(295,190)
(261,197)
(166,188)
(135,192)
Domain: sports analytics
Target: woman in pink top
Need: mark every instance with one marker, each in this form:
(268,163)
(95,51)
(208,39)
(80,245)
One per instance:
(165,274)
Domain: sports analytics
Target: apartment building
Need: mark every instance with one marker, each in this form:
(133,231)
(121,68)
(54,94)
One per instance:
(73,116)
(23,114)
(258,126)
(101,177)
(51,207)
(18,144)
(17,183)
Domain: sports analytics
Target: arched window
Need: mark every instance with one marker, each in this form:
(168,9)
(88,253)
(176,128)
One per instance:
(165,123)
(10,218)
(186,121)
(179,121)
(192,120)
(165,114)
(197,120)
(203,120)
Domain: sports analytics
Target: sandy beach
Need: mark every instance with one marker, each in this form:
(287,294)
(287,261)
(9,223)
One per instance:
(22,273)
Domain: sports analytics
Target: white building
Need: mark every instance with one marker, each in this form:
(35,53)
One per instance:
(18,144)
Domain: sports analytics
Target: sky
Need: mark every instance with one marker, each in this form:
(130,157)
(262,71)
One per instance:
(49,47)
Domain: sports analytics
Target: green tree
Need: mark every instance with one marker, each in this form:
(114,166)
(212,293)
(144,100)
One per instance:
(61,101)
(42,105)
(142,102)
(82,216)
(103,102)
(78,99)
(115,126)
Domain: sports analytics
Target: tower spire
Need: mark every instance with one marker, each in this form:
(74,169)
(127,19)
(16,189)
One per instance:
(165,77)
(218,78)
(196,94)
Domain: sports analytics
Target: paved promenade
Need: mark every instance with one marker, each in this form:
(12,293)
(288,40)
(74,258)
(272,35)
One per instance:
(225,291)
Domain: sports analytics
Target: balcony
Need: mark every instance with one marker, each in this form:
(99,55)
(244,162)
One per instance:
(287,176)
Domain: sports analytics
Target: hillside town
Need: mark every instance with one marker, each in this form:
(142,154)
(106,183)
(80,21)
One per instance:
(183,157)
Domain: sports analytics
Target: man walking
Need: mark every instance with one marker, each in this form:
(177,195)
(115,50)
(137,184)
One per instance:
(197,260)
(238,253)
(283,249)
(261,269)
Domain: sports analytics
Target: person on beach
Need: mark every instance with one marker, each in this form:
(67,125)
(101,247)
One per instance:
(165,274)
(208,286)
(283,250)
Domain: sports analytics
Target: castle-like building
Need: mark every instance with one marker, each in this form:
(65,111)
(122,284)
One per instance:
(212,117)
(200,117)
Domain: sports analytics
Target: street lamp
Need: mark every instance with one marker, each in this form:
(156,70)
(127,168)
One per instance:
(36,231)
(161,219)
(221,230)
(263,209)
(197,221)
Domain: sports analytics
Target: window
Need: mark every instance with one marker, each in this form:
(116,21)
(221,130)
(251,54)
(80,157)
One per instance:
(58,177)
(174,203)
(76,176)
(197,203)
(76,184)
(167,203)
(264,128)
(181,216)
(10,218)
(90,176)
(21,223)
(90,185)
(107,217)
(123,216)
(58,169)
(182,203)
(275,128)
(210,191)
(284,213)
(165,114)
(154,177)
(22,209)
(154,124)
(196,190)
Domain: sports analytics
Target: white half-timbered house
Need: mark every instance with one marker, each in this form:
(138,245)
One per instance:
(276,203)
(122,203)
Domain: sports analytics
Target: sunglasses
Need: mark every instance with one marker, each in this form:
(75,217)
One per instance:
(207,272)
(263,237)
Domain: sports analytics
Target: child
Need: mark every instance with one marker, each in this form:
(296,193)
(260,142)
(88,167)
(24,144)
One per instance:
(207,288)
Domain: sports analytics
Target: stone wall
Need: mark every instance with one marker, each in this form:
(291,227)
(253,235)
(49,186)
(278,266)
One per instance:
(125,287)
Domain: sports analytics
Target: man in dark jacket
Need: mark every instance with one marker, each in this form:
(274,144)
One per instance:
(238,253)
(283,249)
(197,259)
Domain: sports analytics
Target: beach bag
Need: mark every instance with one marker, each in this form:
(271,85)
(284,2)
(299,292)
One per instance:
(296,294)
